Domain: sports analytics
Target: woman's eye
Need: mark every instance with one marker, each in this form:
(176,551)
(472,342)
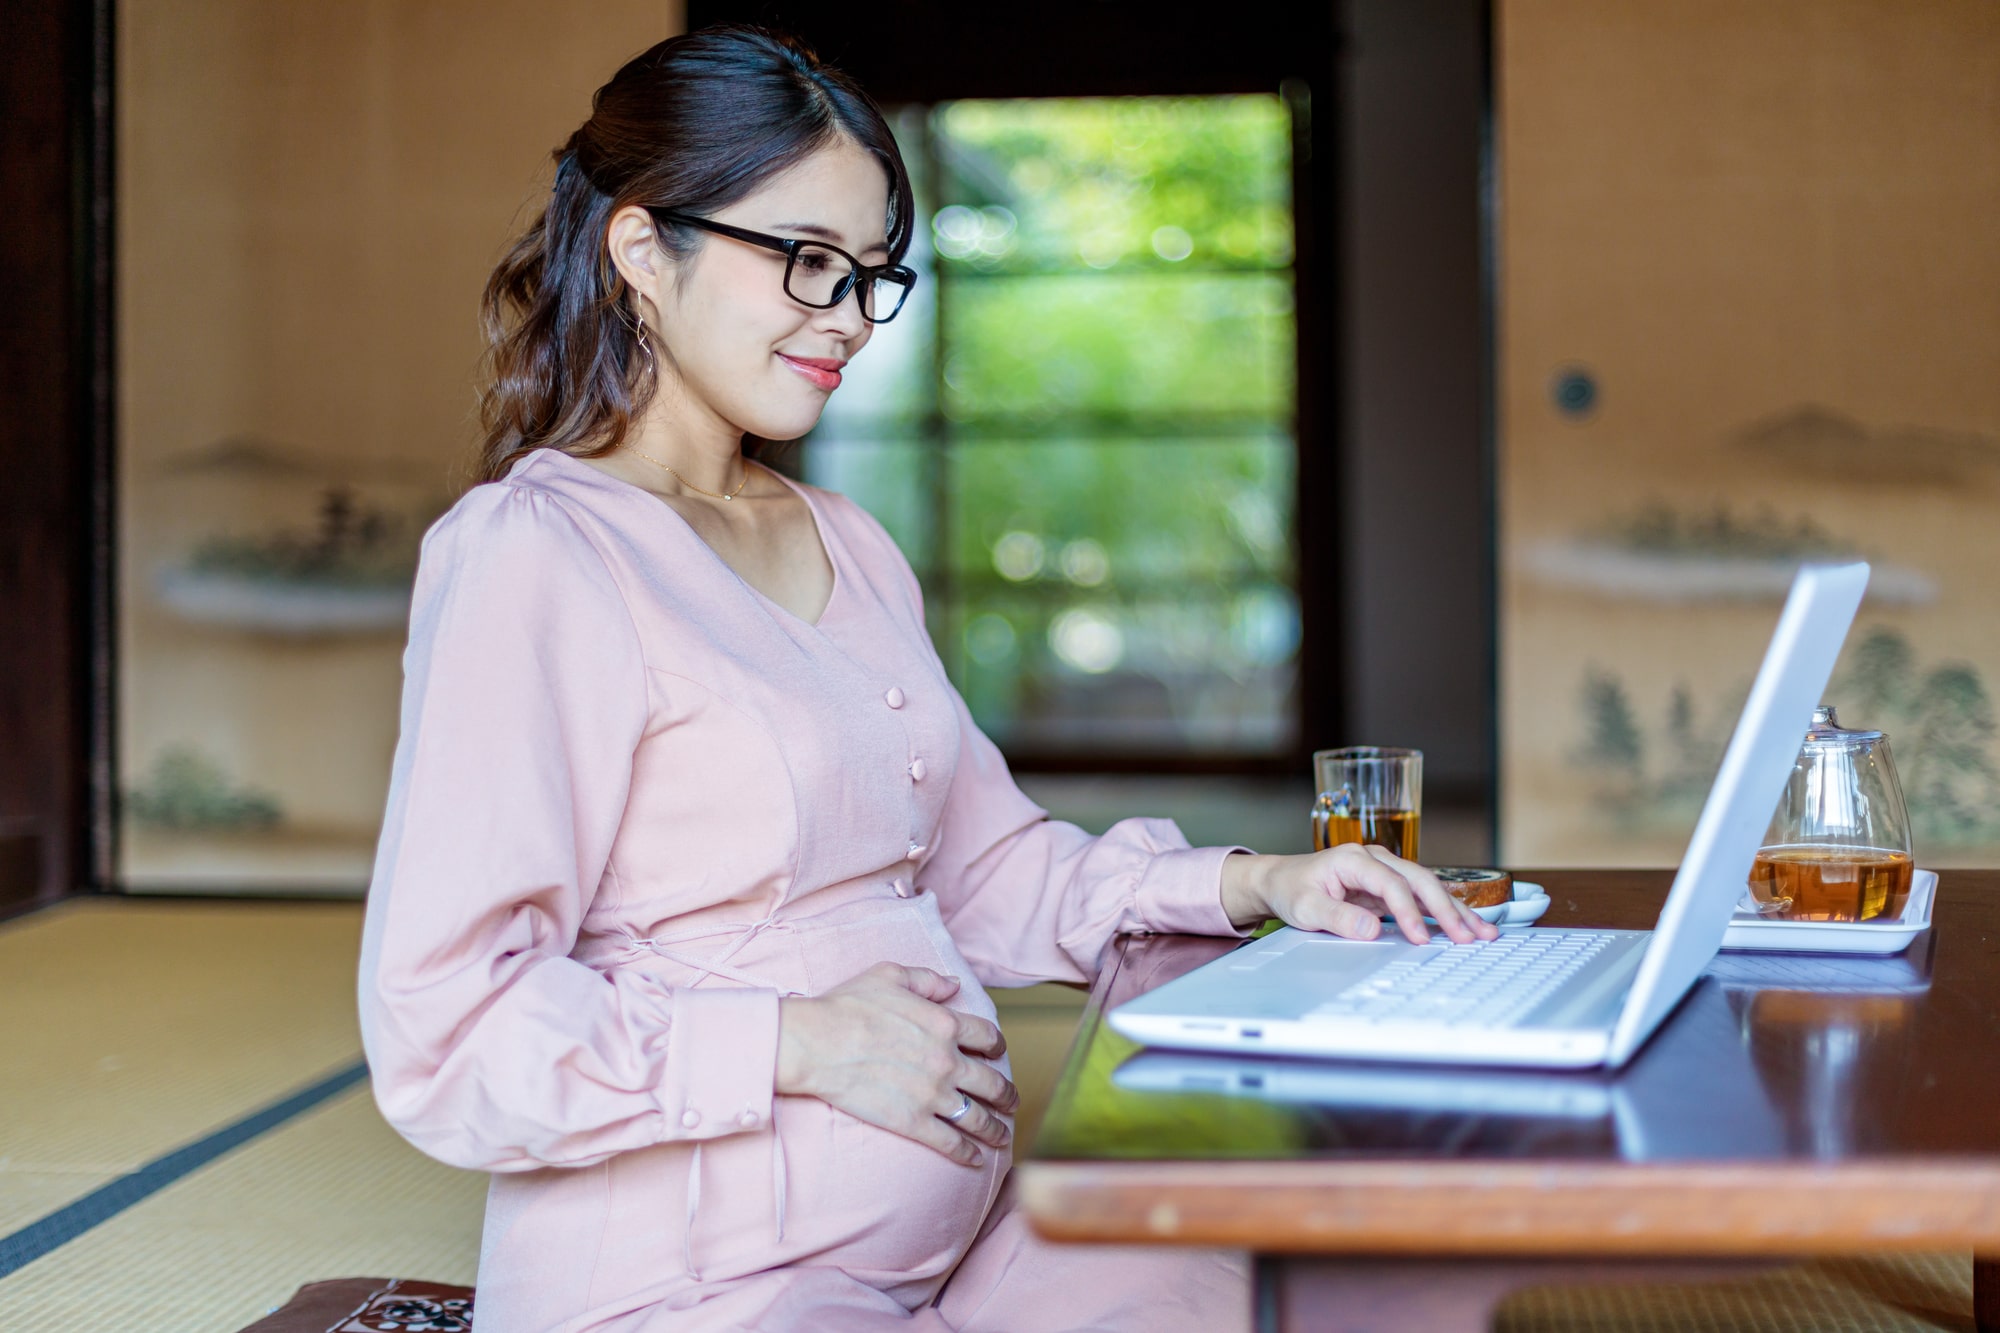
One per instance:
(814,262)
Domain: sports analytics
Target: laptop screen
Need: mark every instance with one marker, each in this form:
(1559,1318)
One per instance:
(1716,869)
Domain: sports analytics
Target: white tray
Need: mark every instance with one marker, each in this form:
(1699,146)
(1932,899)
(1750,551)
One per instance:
(1881,936)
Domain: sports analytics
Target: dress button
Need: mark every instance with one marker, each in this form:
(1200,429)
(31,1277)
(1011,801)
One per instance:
(894,698)
(749,1119)
(689,1119)
(901,886)
(917,851)
(917,770)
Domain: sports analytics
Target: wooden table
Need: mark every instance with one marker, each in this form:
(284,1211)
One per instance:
(1770,1118)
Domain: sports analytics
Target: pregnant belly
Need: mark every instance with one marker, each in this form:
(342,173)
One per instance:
(884,1208)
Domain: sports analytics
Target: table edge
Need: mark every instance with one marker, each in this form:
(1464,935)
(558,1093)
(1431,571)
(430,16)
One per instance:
(1529,1207)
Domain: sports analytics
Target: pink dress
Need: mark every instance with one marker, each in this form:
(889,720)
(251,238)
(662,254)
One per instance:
(634,802)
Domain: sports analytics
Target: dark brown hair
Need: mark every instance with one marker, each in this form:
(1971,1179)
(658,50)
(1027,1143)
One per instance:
(694,124)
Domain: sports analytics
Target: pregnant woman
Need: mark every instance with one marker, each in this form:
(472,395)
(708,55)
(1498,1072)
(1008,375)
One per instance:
(694,865)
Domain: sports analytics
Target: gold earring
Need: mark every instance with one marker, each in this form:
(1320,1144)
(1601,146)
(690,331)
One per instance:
(645,343)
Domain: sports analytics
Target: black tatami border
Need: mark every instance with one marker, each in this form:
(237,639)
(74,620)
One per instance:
(39,1237)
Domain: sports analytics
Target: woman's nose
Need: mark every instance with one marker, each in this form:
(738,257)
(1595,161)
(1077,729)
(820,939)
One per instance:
(844,316)
(843,324)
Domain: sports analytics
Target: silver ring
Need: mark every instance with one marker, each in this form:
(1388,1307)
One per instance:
(964,1105)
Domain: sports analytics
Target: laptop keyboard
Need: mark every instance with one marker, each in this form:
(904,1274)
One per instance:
(1470,985)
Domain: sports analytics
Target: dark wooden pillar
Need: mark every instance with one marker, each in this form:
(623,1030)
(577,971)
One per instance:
(55,423)
(1416,530)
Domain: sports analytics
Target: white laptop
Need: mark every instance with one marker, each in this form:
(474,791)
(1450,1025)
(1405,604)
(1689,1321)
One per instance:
(1541,997)
(1650,1111)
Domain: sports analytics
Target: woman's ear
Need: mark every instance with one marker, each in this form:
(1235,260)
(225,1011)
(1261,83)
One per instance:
(635,252)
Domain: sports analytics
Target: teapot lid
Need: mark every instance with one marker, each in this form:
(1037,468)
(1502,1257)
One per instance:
(1827,733)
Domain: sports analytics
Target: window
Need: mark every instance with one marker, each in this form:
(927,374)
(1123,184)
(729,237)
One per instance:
(1082,429)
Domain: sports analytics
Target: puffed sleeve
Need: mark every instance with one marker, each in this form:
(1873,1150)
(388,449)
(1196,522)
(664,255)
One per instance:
(1028,898)
(524,701)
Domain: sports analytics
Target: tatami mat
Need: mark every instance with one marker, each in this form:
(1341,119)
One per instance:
(132,1028)
(334,1193)
(27,1195)
(1900,1293)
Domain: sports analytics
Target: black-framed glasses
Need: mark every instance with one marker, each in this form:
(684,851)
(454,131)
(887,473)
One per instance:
(817,274)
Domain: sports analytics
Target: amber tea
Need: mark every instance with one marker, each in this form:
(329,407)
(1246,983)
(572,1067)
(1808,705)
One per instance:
(1394,829)
(1368,794)
(1832,883)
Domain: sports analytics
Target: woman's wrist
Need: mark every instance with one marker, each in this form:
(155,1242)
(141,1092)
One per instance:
(794,1042)
(1243,878)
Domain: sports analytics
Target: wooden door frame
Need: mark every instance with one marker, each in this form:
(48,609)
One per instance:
(56,404)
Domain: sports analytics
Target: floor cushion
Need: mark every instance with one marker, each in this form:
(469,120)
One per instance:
(372,1305)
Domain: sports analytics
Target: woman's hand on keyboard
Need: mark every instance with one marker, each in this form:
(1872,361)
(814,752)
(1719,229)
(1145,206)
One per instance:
(1346,890)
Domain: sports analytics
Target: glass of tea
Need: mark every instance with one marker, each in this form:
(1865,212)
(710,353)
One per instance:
(1838,848)
(1368,793)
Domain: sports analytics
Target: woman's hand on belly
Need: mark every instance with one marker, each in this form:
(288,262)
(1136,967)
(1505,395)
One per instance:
(885,1049)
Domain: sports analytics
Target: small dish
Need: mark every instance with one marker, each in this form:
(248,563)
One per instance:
(1530,901)
(1748,931)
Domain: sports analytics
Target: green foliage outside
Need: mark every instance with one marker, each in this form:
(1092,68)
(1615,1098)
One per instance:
(1147,344)
(1087,451)
(1098,179)
(1163,510)
(1197,578)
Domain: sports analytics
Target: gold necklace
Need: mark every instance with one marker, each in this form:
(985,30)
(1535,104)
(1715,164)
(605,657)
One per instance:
(713,495)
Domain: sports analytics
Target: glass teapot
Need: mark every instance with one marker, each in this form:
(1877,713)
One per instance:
(1838,848)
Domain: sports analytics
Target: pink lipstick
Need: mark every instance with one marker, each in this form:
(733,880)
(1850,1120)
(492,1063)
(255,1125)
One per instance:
(823,372)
